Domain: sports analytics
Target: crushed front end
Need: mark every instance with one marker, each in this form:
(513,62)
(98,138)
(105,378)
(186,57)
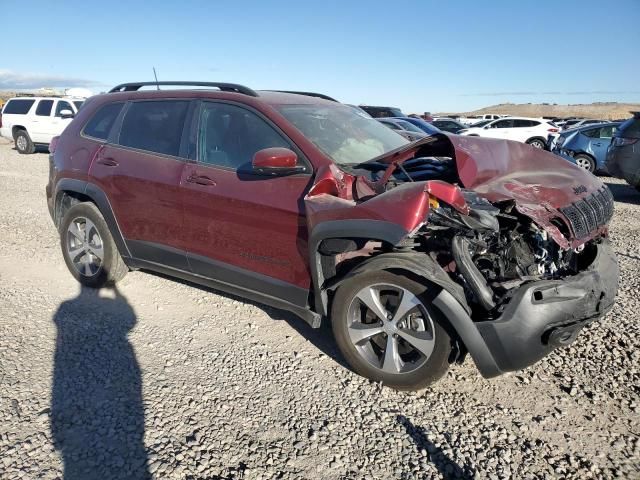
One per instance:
(514,239)
(527,293)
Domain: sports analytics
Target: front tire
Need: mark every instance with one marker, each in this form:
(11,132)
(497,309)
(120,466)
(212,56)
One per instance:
(88,248)
(586,162)
(24,145)
(389,332)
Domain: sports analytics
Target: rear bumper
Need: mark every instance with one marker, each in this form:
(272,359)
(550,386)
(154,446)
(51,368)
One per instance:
(624,162)
(547,314)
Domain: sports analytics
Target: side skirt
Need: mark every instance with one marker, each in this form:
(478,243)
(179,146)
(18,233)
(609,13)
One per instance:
(312,318)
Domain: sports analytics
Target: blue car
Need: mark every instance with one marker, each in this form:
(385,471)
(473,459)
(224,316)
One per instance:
(586,146)
(423,125)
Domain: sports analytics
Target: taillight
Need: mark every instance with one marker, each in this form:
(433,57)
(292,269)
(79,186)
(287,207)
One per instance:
(53,144)
(622,141)
(553,130)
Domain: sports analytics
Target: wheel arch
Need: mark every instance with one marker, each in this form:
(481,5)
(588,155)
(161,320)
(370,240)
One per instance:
(447,296)
(70,191)
(536,137)
(17,128)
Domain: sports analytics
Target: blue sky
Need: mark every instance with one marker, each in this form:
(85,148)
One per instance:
(418,55)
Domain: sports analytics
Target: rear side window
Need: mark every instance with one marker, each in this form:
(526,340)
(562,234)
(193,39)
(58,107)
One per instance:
(44,108)
(100,124)
(525,123)
(155,126)
(592,133)
(18,107)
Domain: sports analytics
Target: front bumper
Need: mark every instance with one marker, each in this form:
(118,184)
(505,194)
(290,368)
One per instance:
(547,314)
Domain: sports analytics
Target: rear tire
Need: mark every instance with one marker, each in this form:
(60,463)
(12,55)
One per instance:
(88,248)
(410,352)
(537,143)
(585,161)
(24,145)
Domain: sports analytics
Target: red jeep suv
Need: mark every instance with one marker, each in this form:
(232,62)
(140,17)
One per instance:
(419,252)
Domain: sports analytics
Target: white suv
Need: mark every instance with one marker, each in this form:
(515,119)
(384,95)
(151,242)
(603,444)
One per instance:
(533,131)
(33,121)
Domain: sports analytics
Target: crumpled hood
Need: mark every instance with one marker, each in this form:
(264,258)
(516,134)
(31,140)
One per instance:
(504,170)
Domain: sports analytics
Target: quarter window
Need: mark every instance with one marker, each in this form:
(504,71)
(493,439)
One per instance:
(18,107)
(229,136)
(44,108)
(100,124)
(155,126)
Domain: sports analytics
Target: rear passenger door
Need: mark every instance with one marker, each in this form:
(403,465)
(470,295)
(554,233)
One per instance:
(40,131)
(139,169)
(244,229)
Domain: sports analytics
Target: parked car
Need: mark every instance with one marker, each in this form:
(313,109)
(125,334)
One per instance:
(421,124)
(586,146)
(480,118)
(418,252)
(449,125)
(382,112)
(580,123)
(623,157)
(404,128)
(532,131)
(34,121)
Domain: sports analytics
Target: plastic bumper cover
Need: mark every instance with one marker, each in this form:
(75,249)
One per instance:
(550,313)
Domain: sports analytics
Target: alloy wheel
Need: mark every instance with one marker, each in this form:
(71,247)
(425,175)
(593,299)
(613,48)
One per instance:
(583,163)
(21,143)
(537,144)
(84,246)
(391,328)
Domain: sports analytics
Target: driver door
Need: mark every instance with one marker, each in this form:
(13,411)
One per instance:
(244,229)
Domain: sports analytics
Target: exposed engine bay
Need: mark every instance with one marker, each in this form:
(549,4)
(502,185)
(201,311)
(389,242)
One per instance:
(494,250)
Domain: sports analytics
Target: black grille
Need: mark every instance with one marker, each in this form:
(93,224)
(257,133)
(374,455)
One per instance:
(590,213)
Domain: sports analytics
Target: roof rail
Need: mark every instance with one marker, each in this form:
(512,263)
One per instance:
(224,87)
(308,94)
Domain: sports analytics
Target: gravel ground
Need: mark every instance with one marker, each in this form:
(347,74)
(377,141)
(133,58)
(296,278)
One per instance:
(166,380)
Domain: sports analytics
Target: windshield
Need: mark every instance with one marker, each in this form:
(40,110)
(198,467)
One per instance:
(78,103)
(343,134)
(408,126)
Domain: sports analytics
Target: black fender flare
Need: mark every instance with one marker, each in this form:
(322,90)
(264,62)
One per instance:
(100,199)
(379,230)
(449,299)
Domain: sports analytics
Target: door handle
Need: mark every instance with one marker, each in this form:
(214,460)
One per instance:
(108,162)
(597,144)
(201,180)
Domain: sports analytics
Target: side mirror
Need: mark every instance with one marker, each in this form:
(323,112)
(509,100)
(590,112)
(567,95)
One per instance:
(276,161)
(66,113)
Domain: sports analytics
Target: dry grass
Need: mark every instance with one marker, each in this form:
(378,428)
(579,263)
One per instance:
(599,110)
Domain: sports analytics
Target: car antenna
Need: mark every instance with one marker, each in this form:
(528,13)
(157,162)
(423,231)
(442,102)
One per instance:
(156,77)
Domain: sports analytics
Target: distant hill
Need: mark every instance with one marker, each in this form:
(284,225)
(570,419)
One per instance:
(603,110)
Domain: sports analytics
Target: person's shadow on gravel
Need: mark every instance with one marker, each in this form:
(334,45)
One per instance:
(447,467)
(97,416)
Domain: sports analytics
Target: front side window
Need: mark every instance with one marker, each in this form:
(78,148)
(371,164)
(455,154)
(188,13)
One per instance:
(229,136)
(44,108)
(154,126)
(18,107)
(62,105)
(346,136)
(100,124)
